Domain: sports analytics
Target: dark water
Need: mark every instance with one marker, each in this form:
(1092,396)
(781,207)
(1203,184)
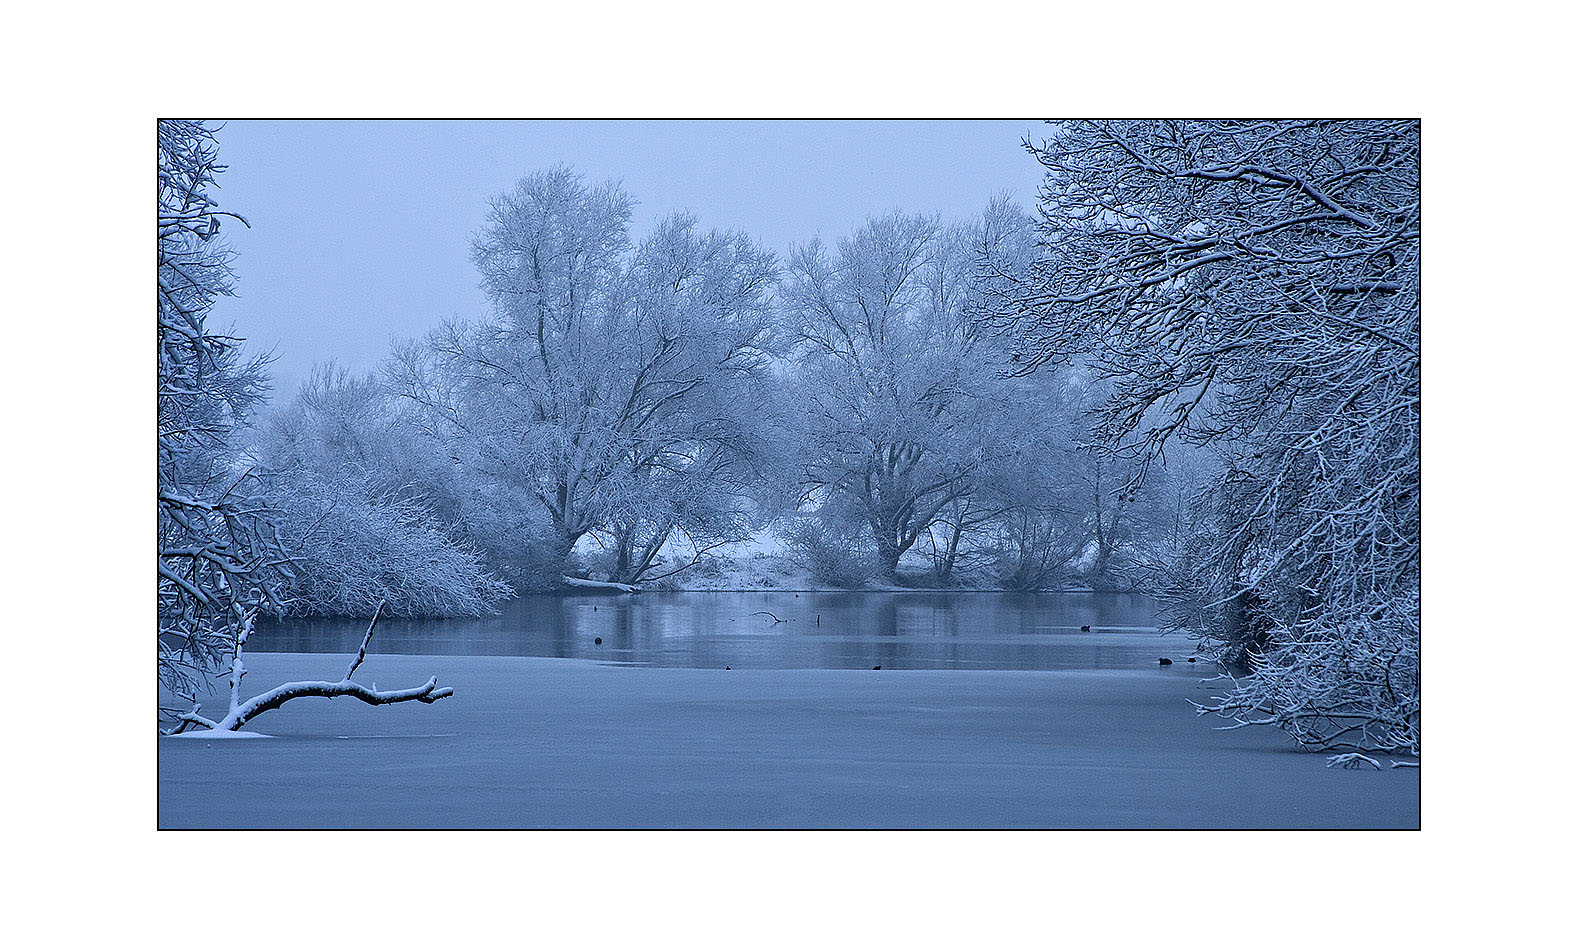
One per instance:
(819,631)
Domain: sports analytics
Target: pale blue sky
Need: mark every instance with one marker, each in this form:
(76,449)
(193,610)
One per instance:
(360,230)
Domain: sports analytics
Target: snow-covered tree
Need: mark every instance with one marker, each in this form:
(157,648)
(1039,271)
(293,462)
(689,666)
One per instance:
(614,386)
(912,420)
(1254,286)
(897,385)
(220,555)
(1011,500)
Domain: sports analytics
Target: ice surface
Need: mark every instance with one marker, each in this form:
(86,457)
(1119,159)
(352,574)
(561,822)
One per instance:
(528,742)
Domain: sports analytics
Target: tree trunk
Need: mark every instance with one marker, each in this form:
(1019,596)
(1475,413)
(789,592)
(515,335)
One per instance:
(888,554)
(943,565)
(622,557)
(953,549)
(564,541)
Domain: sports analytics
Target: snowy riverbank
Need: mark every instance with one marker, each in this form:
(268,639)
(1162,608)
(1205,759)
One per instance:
(565,743)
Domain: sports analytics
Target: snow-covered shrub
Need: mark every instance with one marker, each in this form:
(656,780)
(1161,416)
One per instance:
(356,547)
(223,531)
(837,552)
(532,563)
(371,511)
(1034,549)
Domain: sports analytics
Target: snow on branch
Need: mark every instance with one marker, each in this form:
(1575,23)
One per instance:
(427,693)
(188,719)
(600,584)
(1352,760)
(241,712)
(361,653)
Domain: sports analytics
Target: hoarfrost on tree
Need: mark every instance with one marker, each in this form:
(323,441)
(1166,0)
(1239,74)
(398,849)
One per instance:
(1253,287)
(614,386)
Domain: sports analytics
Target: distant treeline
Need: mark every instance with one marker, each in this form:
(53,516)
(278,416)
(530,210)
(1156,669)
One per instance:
(631,407)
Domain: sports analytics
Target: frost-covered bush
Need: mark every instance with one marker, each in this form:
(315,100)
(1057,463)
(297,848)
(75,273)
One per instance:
(836,551)
(356,547)
(1033,550)
(224,530)
(529,560)
(371,511)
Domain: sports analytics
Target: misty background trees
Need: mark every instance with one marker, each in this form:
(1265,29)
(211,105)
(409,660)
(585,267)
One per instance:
(898,397)
(1193,372)
(632,406)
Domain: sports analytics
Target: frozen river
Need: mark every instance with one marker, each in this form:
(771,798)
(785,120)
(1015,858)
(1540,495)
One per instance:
(991,711)
(818,631)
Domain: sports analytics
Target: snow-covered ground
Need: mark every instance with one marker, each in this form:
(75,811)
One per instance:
(529,742)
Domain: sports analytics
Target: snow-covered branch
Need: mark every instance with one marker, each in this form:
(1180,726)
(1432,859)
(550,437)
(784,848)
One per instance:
(429,692)
(243,711)
(361,652)
(600,584)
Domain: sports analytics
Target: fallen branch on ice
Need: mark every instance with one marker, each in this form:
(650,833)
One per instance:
(767,614)
(601,584)
(429,693)
(242,712)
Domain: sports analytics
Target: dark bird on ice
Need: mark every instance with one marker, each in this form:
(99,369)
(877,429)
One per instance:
(875,668)
(597,640)
(1164,661)
(1085,629)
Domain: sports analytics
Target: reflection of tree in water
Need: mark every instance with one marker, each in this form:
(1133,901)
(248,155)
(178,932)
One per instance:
(885,623)
(857,631)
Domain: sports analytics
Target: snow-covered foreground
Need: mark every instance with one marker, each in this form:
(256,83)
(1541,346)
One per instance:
(529,742)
